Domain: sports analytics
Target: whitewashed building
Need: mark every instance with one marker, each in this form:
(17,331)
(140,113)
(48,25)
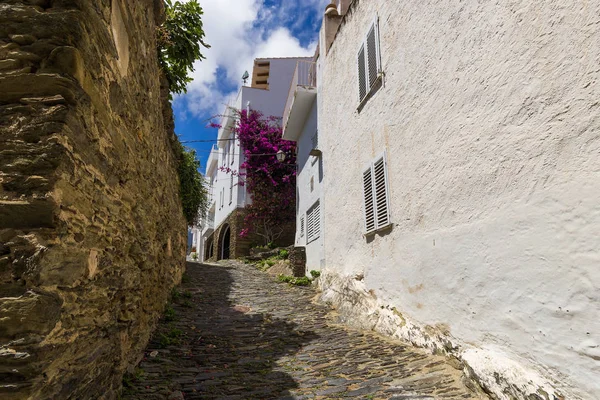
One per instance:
(460,202)
(300,125)
(267,93)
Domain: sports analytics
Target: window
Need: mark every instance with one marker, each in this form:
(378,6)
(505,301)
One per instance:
(232,143)
(376,195)
(312,183)
(313,222)
(231,189)
(369,62)
(302,226)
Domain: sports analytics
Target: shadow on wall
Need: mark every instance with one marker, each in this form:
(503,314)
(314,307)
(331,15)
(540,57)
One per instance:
(223,350)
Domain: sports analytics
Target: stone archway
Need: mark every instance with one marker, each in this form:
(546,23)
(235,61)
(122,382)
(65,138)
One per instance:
(225,243)
(208,248)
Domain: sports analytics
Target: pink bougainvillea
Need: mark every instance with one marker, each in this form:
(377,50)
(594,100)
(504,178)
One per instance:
(270,183)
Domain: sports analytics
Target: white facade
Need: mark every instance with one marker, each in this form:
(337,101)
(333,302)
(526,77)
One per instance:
(488,116)
(269,98)
(300,125)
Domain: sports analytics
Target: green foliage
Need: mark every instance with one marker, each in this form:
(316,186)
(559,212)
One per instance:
(185,278)
(284,278)
(170,314)
(315,274)
(192,186)
(179,42)
(302,281)
(130,379)
(270,262)
(171,337)
(262,266)
(284,254)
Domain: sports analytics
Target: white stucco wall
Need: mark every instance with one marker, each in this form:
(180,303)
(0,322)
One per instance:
(309,168)
(229,157)
(490,117)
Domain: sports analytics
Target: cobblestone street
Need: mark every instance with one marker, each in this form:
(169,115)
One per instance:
(235,333)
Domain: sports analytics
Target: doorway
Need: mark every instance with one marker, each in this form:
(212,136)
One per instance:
(225,244)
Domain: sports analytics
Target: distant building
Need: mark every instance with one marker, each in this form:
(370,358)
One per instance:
(460,202)
(300,125)
(220,228)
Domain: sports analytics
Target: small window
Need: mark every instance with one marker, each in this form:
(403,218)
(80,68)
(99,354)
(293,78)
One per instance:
(369,62)
(302,226)
(312,183)
(376,195)
(313,222)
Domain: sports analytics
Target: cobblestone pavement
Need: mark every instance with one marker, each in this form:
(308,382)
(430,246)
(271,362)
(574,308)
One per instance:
(235,333)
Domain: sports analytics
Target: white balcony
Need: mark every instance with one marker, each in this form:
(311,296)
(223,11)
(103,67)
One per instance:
(208,220)
(213,157)
(229,116)
(209,223)
(303,91)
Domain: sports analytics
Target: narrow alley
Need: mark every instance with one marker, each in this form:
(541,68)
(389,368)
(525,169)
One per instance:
(233,332)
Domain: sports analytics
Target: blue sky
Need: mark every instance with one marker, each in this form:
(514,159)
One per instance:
(239,31)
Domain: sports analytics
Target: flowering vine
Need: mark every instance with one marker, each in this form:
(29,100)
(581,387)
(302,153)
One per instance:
(271,184)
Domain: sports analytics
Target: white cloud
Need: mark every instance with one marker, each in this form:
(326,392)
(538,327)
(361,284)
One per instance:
(239,31)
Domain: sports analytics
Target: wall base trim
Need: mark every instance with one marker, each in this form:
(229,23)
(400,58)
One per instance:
(499,375)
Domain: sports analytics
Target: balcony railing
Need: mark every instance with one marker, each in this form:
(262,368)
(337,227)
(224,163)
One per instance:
(305,76)
(209,223)
(214,155)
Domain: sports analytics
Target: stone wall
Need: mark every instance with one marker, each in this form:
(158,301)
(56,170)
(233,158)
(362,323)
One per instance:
(92,236)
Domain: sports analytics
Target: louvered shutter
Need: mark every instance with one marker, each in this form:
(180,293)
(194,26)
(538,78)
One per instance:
(302,226)
(317,220)
(372,55)
(368,200)
(313,222)
(381,193)
(362,76)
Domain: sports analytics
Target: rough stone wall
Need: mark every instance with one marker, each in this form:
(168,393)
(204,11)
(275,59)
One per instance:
(92,236)
(490,119)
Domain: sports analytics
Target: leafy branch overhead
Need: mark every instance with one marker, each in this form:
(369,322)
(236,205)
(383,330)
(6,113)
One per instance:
(180,40)
(193,192)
